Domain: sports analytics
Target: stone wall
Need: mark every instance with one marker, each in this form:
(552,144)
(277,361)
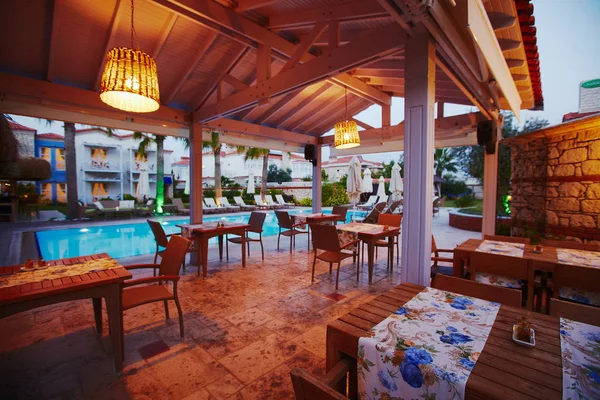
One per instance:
(556,181)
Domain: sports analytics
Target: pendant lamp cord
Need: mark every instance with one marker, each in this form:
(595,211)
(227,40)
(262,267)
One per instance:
(346,99)
(133,33)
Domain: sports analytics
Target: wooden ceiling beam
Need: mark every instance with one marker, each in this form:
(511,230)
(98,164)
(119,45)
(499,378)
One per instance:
(247,5)
(378,42)
(234,82)
(305,44)
(362,124)
(500,20)
(261,130)
(191,67)
(165,33)
(396,13)
(332,104)
(324,87)
(52,42)
(515,63)
(357,10)
(354,106)
(112,31)
(509,44)
(282,101)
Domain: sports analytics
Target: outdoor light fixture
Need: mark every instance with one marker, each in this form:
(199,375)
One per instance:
(346,132)
(129,81)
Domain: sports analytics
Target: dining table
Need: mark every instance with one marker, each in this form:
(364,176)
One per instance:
(315,218)
(86,277)
(201,234)
(503,368)
(370,234)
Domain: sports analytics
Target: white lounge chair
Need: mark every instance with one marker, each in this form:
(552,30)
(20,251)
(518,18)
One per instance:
(260,203)
(240,202)
(210,203)
(272,203)
(369,204)
(279,199)
(224,202)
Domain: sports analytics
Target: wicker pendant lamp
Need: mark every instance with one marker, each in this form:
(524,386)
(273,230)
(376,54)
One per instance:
(130,80)
(346,132)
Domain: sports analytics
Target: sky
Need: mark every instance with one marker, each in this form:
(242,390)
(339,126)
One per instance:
(568,39)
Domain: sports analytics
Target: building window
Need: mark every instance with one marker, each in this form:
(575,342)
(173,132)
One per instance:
(45,153)
(61,192)
(60,159)
(98,191)
(99,159)
(46,192)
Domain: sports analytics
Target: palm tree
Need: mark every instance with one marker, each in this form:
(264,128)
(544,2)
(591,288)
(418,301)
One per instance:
(71,170)
(214,145)
(146,140)
(444,161)
(255,153)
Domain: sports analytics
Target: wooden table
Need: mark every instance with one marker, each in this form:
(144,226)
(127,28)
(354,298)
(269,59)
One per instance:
(94,285)
(370,237)
(317,218)
(504,370)
(203,232)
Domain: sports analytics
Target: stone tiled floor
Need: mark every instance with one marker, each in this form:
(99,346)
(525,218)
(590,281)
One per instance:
(245,330)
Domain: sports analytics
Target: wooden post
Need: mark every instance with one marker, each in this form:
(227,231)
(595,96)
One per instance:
(490,188)
(196,174)
(418,158)
(317,182)
(386,115)
(440,109)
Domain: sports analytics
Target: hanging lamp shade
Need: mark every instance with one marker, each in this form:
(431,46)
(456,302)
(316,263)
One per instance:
(346,135)
(130,81)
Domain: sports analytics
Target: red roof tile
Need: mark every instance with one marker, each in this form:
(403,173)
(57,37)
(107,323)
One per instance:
(576,115)
(18,127)
(50,136)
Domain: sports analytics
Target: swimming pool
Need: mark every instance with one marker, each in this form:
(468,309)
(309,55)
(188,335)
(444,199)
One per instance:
(133,239)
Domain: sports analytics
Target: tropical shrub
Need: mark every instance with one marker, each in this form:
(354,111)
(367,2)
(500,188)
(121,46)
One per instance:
(307,202)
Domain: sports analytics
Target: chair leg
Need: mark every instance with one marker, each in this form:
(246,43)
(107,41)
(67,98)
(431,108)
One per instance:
(337,278)
(166,309)
(226,247)
(313,268)
(176,298)
(330,266)
(291,236)
(262,248)
(248,244)
(278,236)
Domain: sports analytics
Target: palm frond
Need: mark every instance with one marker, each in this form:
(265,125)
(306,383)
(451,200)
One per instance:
(143,146)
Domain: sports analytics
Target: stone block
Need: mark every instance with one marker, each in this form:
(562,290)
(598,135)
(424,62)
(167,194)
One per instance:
(578,171)
(593,191)
(583,221)
(565,145)
(571,189)
(565,204)
(573,156)
(563,221)
(571,135)
(551,192)
(594,150)
(553,153)
(591,167)
(553,162)
(590,206)
(589,135)
(564,170)
(551,218)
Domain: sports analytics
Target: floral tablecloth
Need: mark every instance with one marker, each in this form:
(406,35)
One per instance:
(58,271)
(426,349)
(581,258)
(502,248)
(358,228)
(580,349)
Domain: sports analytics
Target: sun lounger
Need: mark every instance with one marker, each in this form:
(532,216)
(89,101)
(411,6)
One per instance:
(272,203)
(210,203)
(180,207)
(279,199)
(260,203)
(369,204)
(245,207)
(224,202)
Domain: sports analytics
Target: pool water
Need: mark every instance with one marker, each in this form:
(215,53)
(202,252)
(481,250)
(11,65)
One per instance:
(133,239)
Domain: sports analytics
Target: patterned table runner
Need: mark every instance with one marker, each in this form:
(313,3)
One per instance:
(357,228)
(503,248)
(426,349)
(580,349)
(58,271)
(187,231)
(581,258)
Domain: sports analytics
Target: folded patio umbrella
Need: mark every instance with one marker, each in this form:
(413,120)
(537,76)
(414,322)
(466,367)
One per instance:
(396,186)
(143,187)
(354,182)
(381,189)
(367,186)
(250,189)
(186,189)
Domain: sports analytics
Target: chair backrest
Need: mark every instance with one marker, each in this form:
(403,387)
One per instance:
(499,294)
(210,202)
(342,211)
(575,311)
(256,221)
(223,201)
(389,219)
(509,267)
(374,214)
(269,199)
(325,237)
(372,199)
(178,203)
(159,233)
(279,199)
(565,244)
(307,387)
(576,277)
(174,255)
(283,218)
(383,199)
(392,207)
(239,201)
(509,239)
(259,201)
(434,246)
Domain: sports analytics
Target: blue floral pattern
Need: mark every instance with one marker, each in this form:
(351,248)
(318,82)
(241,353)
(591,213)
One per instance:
(426,349)
(580,349)
(491,279)
(503,248)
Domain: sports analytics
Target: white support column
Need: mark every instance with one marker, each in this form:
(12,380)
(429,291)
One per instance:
(418,158)
(490,188)
(196,174)
(317,182)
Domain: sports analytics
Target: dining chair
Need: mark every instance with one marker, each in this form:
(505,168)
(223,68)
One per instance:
(308,387)
(566,244)
(576,283)
(256,222)
(394,220)
(499,270)
(509,239)
(134,295)
(325,237)
(342,211)
(577,312)
(162,240)
(502,295)
(371,218)
(437,258)
(392,207)
(288,228)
